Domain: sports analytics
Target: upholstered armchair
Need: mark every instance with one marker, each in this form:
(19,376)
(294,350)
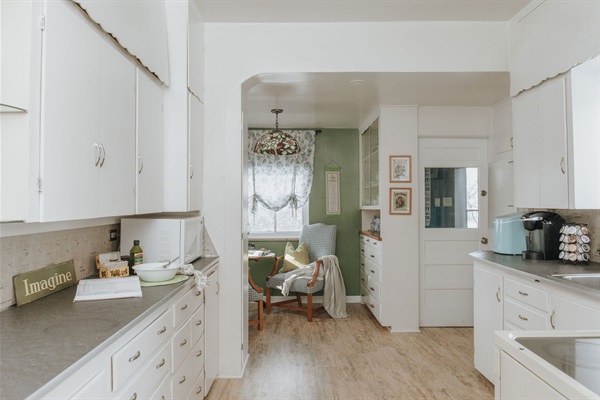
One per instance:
(320,239)
(255,293)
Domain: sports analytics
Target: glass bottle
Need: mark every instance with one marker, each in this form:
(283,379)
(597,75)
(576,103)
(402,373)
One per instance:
(136,255)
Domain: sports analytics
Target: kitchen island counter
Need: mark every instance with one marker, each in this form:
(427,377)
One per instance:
(42,339)
(542,269)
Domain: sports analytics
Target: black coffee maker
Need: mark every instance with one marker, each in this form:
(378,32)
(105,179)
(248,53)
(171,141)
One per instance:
(543,234)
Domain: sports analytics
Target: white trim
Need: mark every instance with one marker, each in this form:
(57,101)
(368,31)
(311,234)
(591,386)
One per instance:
(21,228)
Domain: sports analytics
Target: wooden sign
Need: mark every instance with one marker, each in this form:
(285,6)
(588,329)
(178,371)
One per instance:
(43,282)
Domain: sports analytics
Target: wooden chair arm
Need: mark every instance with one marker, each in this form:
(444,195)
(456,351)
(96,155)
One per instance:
(316,274)
(254,285)
(275,266)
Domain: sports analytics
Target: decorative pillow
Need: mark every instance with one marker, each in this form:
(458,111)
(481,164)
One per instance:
(294,259)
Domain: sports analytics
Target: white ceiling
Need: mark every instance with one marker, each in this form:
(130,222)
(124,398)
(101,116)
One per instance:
(329,100)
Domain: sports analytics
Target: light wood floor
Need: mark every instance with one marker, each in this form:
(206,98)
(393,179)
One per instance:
(354,358)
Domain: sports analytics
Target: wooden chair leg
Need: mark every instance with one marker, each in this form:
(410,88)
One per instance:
(260,315)
(268,300)
(299,299)
(309,306)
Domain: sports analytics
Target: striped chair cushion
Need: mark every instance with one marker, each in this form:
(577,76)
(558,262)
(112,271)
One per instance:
(253,295)
(299,285)
(320,239)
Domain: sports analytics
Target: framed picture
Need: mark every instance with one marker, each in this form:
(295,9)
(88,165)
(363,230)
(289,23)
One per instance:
(400,201)
(400,169)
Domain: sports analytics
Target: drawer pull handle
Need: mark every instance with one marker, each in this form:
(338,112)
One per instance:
(134,396)
(163,330)
(198,294)
(162,398)
(372,256)
(182,380)
(362,279)
(523,293)
(372,306)
(372,289)
(552,319)
(184,307)
(135,356)
(183,343)
(372,271)
(199,322)
(498,295)
(199,390)
(199,353)
(162,362)
(523,318)
(362,250)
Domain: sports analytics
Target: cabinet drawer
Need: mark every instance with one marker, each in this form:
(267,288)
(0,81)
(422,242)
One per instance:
(198,389)
(527,294)
(363,263)
(153,372)
(163,391)
(363,278)
(363,249)
(375,307)
(363,239)
(134,355)
(183,380)
(181,344)
(364,295)
(185,307)
(374,272)
(374,254)
(374,289)
(524,317)
(197,325)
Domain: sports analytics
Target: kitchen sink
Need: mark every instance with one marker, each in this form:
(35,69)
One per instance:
(589,280)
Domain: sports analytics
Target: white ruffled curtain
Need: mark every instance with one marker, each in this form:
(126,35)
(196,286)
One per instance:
(278,181)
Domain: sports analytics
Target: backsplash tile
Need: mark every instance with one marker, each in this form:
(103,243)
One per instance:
(19,254)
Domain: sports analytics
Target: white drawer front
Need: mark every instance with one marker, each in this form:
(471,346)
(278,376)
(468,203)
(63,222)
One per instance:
(154,371)
(364,295)
(374,289)
(182,344)
(197,325)
(375,307)
(526,293)
(363,249)
(198,389)
(163,391)
(374,254)
(363,263)
(363,239)
(134,355)
(523,317)
(363,278)
(183,380)
(374,272)
(185,307)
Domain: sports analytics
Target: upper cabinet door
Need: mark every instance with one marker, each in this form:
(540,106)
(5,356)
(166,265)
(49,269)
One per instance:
(195,52)
(195,153)
(526,152)
(150,136)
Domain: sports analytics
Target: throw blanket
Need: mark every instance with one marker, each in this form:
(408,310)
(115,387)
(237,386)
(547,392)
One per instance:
(334,292)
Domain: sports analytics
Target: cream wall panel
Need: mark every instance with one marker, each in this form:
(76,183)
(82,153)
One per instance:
(455,122)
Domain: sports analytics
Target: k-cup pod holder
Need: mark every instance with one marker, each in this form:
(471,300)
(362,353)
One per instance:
(574,243)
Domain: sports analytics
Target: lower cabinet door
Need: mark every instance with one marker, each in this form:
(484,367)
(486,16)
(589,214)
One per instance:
(154,371)
(517,382)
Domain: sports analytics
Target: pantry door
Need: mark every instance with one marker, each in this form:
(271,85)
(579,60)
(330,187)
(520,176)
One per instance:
(453,223)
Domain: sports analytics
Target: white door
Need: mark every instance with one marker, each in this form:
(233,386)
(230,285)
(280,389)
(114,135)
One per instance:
(453,209)
(196,115)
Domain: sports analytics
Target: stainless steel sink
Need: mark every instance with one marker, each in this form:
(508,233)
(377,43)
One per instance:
(589,280)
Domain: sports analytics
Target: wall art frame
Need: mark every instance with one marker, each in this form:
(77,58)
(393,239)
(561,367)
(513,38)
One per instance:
(400,169)
(400,201)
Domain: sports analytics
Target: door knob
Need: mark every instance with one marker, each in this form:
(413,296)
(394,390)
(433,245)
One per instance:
(484,240)
(483,193)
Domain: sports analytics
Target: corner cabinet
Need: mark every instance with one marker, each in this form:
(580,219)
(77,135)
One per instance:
(556,141)
(369,167)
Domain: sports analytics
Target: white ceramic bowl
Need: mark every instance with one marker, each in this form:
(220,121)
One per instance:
(153,272)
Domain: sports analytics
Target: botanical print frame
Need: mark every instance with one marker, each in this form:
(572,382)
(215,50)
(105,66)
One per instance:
(400,169)
(400,201)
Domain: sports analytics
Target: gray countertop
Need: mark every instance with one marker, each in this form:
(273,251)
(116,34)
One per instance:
(542,269)
(41,339)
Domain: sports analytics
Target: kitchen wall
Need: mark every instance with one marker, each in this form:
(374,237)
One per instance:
(590,217)
(341,146)
(24,253)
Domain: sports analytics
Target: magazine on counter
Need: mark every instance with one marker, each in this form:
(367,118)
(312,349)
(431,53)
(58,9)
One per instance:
(109,288)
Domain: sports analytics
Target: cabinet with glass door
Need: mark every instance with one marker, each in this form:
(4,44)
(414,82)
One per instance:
(370,167)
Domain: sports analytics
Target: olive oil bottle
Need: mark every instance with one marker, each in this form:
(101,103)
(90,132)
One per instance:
(136,255)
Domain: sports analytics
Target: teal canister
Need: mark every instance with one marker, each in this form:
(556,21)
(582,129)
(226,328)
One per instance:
(510,236)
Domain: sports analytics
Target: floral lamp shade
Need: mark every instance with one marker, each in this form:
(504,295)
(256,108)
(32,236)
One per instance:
(277,142)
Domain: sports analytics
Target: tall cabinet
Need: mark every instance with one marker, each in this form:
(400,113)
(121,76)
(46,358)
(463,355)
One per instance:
(369,166)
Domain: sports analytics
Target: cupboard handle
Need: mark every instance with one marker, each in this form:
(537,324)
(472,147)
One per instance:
(362,279)
(135,356)
(372,256)
(372,271)
(191,171)
(96,153)
(163,330)
(184,307)
(498,294)
(199,353)
(199,390)
(523,318)
(141,164)
(198,294)
(162,362)
(199,322)
(134,396)
(562,165)
(372,288)
(103,155)
(523,293)
(512,142)
(183,343)
(372,306)
(182,380)
(552,319)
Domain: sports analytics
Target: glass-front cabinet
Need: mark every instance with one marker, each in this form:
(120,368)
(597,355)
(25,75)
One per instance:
(370,166)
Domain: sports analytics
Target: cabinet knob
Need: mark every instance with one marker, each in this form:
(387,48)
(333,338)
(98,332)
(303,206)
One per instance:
(484,240)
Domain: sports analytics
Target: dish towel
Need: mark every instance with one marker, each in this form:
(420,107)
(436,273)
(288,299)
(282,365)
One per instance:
(201,279)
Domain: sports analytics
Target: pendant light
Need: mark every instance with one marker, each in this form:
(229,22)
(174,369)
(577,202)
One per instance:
(277,142)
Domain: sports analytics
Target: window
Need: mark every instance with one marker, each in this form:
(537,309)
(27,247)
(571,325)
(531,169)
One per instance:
(281,224)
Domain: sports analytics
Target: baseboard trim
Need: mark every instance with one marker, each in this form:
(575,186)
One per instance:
(316,299)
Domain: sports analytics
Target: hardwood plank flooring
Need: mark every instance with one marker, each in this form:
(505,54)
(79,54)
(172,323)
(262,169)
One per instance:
(354,358)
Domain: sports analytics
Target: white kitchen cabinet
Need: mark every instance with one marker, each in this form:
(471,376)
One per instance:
(195,43)
(150,138)
(517,382)
(88,121)
(211,329)
(567,314)
(369,167)
(502,137)
(487,317)
(374,276)
(183,116)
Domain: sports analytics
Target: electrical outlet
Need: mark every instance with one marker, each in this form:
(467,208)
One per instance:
(113,235)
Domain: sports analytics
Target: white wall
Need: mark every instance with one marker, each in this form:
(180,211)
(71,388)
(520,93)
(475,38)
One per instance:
(455,122)
(236,52)
(552,38)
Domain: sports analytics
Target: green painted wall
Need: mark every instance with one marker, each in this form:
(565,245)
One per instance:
(341,146)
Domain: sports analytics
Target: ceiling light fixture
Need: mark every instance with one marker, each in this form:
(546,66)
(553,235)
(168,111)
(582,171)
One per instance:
(277,142)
